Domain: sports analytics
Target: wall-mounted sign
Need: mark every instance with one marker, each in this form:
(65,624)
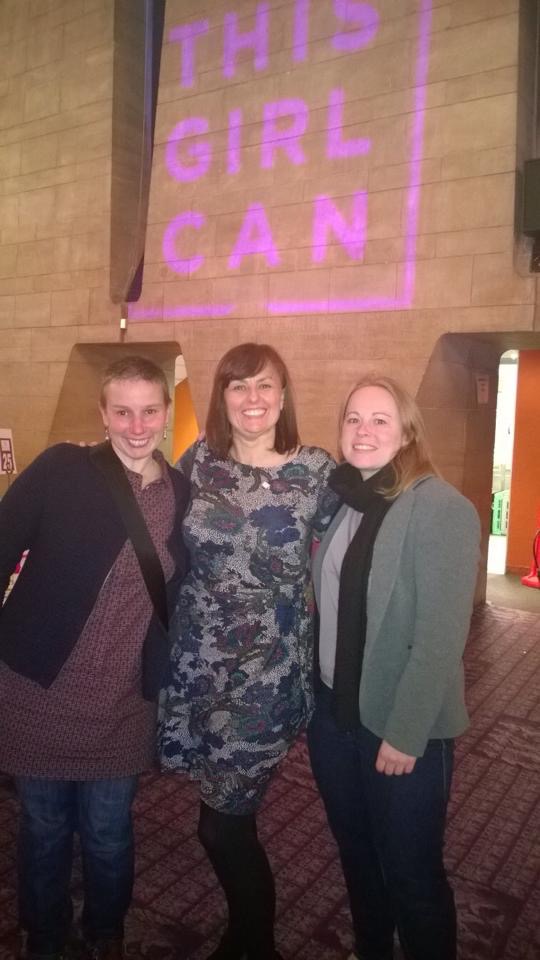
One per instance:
(7,453)
(295,152)
(482,388)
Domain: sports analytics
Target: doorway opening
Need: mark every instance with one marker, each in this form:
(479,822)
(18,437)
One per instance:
(502,461)
(515,515)
(458,399)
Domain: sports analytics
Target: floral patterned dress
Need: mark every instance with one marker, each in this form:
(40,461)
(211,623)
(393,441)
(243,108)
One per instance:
(241,669)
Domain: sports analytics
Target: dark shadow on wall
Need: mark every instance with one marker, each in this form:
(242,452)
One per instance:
(138,36)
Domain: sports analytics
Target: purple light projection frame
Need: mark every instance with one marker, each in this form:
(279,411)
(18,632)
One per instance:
(404,297)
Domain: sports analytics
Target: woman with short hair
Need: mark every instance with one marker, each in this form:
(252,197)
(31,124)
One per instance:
(82,657)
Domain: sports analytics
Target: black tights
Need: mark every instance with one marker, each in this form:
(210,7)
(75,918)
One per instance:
(242,868)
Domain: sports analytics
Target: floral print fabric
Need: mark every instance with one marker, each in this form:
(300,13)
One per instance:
(241,670)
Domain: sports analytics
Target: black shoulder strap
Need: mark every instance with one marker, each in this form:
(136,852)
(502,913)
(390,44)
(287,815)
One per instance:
(110,466)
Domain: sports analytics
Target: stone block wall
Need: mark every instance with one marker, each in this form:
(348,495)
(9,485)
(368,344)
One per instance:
(335,178)
(55,145)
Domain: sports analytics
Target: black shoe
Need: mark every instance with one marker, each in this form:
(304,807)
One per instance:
(43,956)
(228,948)
(106,950)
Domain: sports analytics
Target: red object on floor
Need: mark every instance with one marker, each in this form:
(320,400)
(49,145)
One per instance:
(532,578)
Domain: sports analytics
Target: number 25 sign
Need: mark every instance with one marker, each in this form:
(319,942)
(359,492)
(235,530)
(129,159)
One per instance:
(7,454)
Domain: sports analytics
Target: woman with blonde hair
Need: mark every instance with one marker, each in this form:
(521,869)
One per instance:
(394,581)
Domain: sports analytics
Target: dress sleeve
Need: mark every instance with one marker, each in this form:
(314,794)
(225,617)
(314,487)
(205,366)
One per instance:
(446,554)
(186,461)
(327,500)
(21,510)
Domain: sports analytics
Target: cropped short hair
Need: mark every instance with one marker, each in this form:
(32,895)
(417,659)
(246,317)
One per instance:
(134,368)
(247,360)
(413,460)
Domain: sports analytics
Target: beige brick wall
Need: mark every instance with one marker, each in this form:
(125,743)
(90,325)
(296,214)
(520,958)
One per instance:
(55,147)
(465,275)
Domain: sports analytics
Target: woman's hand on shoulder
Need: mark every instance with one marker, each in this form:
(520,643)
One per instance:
(83,443)
(393,762)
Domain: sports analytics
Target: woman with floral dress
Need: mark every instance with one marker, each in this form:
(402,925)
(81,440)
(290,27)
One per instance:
(241,679)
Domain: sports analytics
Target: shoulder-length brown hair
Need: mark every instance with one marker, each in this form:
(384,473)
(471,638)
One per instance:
(247,360)
(413,460)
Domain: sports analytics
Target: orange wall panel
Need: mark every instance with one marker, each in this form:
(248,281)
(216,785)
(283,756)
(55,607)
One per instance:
(525,488)
(185,421)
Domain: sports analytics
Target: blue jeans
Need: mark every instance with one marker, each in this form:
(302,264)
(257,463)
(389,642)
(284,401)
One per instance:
(390,835)
(51,812)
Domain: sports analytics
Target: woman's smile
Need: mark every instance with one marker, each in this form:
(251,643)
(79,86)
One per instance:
(254,404)
(372,432)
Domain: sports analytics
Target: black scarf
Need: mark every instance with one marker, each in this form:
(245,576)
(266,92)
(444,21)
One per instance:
(362,495)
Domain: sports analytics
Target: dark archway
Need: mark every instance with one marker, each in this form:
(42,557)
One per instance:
(458,398)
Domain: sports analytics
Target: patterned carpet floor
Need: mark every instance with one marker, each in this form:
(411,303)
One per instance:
(493,840)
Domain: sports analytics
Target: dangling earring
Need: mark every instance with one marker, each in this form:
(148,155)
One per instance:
(165,431)
(107,437)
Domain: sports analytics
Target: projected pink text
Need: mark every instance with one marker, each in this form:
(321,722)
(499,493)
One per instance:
(335,219)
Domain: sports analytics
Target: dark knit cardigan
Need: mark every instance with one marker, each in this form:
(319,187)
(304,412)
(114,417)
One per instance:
(60,508)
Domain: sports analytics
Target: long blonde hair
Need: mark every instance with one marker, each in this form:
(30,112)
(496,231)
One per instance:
(413,459)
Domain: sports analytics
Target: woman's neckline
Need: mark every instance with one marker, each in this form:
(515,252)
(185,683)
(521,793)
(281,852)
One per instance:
(268,468)
(145,481)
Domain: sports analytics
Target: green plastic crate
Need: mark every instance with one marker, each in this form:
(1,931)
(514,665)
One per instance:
(499,516)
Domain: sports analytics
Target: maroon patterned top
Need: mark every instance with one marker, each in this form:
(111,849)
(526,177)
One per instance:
(93,722)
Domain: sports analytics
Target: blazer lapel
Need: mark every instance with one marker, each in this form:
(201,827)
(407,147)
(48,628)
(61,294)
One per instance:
(386,557)
(386,562)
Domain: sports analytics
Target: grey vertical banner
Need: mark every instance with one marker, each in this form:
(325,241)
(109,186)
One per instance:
(138,37)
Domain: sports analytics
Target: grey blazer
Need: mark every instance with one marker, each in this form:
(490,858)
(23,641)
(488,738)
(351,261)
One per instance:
(420,595)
